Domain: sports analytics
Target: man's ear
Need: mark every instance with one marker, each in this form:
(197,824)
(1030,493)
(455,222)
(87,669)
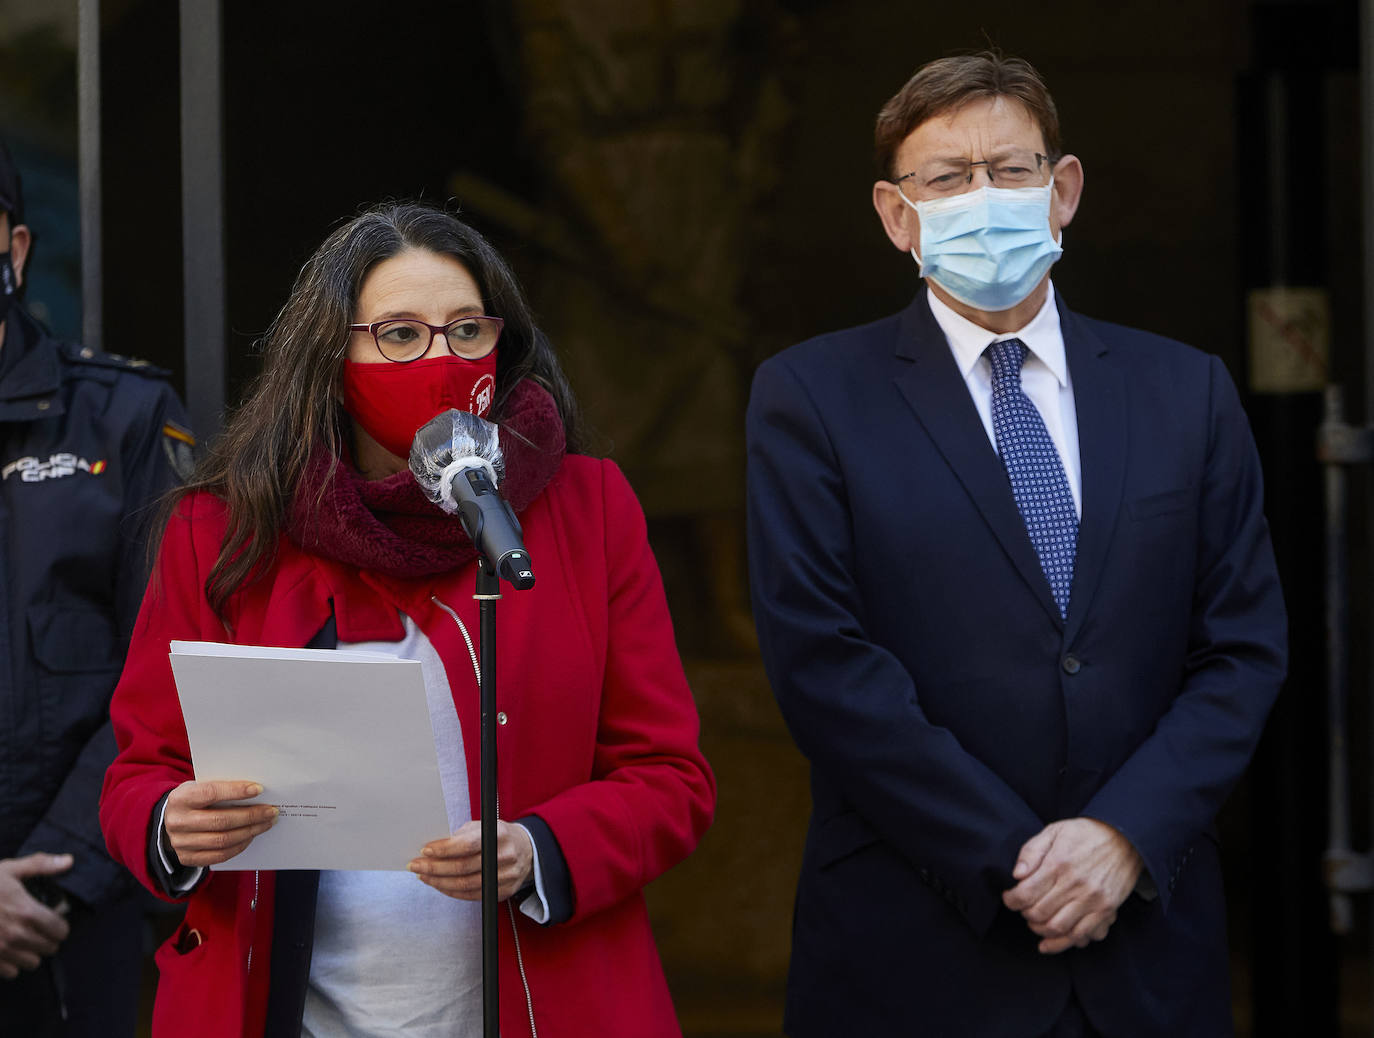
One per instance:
(20,241)
(1068,189)
(900,221)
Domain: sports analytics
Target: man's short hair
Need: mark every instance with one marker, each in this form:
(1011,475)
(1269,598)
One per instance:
(947,84)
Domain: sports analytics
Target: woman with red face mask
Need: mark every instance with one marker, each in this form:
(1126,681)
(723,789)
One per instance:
(305,527)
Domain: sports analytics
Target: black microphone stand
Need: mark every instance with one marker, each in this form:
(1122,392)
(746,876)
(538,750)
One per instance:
(487,595)
(491,524)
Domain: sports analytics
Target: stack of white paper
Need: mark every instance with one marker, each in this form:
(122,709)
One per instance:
(341,742)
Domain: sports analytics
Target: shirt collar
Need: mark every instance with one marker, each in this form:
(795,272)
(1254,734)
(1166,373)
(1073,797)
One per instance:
(967,341)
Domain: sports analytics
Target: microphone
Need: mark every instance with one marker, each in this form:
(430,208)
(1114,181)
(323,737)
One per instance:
(457,460)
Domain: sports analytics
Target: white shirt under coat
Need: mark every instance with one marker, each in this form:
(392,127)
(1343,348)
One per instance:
(1044,377)
(393,957)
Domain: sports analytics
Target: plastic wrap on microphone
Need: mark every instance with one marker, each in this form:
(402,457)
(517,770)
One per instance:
(456,459)
(450,443)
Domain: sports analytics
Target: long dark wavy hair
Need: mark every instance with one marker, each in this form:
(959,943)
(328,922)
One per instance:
(294,404)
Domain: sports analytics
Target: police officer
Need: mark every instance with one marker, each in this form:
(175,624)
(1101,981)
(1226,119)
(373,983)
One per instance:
(88,441)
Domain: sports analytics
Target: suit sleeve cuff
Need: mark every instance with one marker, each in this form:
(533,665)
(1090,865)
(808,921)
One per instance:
(1145,887)
(175,879)
(550,901)
(94,879)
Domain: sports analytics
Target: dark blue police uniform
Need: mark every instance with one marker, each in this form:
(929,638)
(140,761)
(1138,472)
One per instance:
(88,443)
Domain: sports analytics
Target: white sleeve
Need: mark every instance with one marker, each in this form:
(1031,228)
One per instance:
(535,905)
(180,878)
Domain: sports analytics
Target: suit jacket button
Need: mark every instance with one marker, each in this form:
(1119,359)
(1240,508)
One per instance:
(1072,665)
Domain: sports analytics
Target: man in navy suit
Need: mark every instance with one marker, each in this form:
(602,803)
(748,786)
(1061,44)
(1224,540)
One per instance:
(1016,599)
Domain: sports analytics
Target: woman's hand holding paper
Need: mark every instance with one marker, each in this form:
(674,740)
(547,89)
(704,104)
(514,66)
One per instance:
(453,865)
(204,827)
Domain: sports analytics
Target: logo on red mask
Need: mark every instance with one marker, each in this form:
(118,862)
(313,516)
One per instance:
(391,401)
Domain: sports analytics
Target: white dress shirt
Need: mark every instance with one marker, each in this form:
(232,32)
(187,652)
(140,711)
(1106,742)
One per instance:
(1044,378)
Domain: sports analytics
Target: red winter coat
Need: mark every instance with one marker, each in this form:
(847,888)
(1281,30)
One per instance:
(600,742)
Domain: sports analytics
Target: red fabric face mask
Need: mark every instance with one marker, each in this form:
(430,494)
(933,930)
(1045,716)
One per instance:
(392,401)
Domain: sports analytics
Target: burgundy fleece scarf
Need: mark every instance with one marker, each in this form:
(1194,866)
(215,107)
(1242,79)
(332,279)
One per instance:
(389,526)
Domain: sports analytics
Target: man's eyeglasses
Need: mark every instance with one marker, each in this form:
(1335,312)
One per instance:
(402,341)
(952,176)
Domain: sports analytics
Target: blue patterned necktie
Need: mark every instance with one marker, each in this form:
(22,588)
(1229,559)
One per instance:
(1038,482)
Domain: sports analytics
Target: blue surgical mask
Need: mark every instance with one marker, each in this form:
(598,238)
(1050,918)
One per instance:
(987,248)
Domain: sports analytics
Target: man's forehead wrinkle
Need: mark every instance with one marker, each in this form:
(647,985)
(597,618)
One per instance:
(988,127)
(974,142)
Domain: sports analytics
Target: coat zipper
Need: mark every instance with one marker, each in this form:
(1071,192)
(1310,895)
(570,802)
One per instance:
(520,962)
(515,933)
(253,907)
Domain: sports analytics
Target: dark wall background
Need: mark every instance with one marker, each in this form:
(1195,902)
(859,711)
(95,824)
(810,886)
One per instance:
(329,107)
(755,117)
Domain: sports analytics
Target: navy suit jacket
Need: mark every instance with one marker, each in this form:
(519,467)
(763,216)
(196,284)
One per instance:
(949,713)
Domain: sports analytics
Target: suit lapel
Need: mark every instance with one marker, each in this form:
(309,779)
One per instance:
(1099,397)
(929,379)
